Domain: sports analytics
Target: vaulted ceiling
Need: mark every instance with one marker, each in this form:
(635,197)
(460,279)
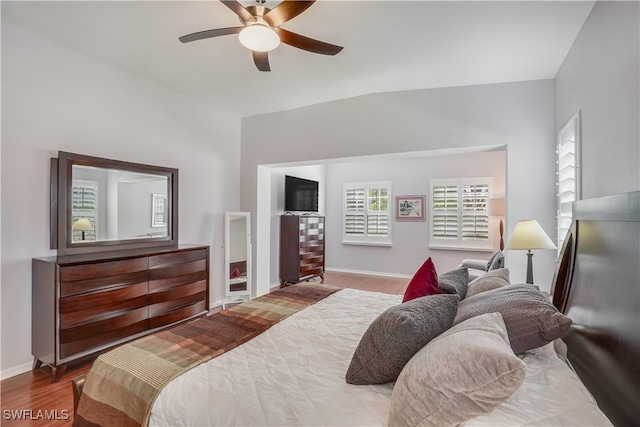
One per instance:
(388,46)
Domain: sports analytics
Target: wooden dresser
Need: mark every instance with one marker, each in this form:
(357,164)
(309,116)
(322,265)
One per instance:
(84,304)
(301,248)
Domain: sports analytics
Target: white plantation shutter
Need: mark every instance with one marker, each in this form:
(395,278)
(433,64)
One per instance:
(378,211)
(367,213)
(354,212)
(84,204)
(475,218)
(459,216)
(445,211)
(567,175)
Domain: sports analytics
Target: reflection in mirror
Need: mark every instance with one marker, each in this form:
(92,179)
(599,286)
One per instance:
(237,256)
(111,204)
(100,204)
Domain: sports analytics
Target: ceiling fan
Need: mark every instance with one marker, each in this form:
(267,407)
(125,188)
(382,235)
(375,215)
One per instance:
(260,30)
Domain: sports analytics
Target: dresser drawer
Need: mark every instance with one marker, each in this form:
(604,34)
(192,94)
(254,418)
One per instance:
(111,268)
(176,292)
(307,269)
(87,308)
(311,259)
(79,279)
(311,271)
(99,333)
(176,258)
(177,270)
(314,246)
(175,311)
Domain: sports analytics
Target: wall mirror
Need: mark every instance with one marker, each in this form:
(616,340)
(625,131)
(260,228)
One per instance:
(237,250)
(102,204)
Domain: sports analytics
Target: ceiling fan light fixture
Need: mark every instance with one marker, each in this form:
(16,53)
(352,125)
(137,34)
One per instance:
(259,37)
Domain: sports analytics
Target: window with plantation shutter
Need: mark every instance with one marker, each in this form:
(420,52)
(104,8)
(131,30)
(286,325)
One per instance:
(367,213)
(459,217)
(84,204)
(567,175)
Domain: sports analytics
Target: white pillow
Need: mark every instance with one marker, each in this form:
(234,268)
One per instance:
(490,280)
(467,371)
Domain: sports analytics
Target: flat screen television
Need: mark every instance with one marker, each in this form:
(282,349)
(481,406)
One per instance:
(300,195)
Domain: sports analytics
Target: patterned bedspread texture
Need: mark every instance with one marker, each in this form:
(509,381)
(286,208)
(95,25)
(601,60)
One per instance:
(123,383)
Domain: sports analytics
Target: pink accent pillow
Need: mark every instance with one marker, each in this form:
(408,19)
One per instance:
(423,283)
(235,274)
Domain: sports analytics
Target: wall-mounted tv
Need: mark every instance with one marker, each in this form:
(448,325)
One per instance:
(300,195)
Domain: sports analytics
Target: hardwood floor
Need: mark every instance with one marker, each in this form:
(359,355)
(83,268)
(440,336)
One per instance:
(30,399)
(366,282)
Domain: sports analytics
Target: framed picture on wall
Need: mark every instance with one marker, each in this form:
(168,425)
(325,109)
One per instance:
(410,208)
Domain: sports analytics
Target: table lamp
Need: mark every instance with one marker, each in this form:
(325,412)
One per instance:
(83,224)
(529,235)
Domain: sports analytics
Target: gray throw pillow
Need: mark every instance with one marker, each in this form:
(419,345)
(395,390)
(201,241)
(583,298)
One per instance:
(490,280)
(496,261)
(454,282)
(531,320)
(396,335)
(465,372)
(493,256)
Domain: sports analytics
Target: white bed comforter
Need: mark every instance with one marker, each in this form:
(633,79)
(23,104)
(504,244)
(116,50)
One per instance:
(293,374)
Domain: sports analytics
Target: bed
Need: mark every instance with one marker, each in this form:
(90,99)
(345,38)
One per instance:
(281,359)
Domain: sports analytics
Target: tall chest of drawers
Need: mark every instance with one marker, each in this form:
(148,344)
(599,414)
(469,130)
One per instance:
(82,305)
(301,247)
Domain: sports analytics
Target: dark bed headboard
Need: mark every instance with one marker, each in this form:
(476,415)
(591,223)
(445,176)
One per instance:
(597,285)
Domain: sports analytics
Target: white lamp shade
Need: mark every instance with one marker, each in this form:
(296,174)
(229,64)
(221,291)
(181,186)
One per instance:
(83,224)
(496,206)
(528,234)
(259,37)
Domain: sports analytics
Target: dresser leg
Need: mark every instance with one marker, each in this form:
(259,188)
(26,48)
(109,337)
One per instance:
(57,372)
(37,363)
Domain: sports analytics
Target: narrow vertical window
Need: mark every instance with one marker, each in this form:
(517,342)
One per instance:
(567,175)
(84,207)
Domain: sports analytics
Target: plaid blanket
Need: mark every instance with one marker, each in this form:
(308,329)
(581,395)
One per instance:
(123,383)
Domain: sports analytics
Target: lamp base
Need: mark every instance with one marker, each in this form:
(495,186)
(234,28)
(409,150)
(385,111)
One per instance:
(530,267)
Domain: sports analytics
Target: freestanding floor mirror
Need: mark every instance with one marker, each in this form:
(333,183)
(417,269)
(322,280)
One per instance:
(237,250)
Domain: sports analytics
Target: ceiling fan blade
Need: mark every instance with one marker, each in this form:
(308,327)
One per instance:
(239,10)
(261,59)
(210,33)
(286,10)
(306,43)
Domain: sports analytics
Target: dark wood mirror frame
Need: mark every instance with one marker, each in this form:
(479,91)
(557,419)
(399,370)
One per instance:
(61,190)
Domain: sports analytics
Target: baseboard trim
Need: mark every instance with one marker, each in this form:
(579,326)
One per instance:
(370,273)
(16,370)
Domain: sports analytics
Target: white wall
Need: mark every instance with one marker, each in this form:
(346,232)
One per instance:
(600,77)
(55,99)
(519,116)
(408,176)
